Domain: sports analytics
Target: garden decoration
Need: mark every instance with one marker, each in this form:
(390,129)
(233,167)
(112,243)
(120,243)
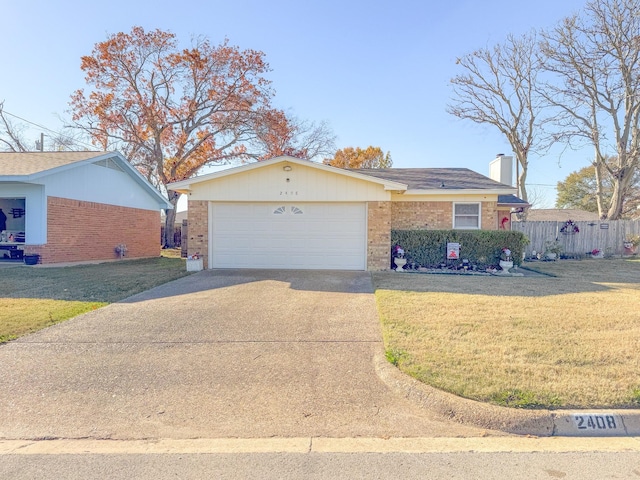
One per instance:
(631,243)
(398,258)
(552,249)
(505,259)
(569,228)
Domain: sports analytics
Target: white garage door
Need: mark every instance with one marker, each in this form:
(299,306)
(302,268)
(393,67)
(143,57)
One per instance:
(288,235)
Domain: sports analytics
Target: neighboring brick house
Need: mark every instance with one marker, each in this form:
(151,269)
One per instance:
(292,213)
(77,206)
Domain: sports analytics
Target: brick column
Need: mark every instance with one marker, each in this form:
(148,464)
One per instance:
(489,216)
(378,236)
(199,230)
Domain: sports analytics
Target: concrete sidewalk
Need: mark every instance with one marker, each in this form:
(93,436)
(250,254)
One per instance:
(218,354)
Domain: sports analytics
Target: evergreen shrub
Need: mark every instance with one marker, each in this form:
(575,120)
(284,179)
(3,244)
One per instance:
(482,248)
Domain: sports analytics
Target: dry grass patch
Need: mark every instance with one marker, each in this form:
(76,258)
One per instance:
(567,341)
(33,298)
(20,317)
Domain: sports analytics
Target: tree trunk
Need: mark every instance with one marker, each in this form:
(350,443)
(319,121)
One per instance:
(521,159)
(170,220)
(599,191)
(620,186)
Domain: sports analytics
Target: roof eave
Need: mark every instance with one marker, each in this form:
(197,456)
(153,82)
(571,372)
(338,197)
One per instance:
(163,203)
(464,191)
(184,186)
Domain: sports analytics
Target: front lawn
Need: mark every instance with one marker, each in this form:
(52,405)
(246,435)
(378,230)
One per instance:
(572,340)
(36,297)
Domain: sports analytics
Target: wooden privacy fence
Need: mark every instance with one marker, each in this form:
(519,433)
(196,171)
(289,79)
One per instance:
(607,236)
(177,235)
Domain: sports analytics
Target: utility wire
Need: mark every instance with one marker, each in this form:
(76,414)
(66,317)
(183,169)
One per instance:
(48,129)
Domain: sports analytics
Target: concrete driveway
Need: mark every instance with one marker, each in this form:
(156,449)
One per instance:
(216,354)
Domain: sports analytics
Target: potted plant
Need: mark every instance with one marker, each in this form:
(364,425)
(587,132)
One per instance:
(552,249)
(506,262)
(631,243)
(597,253)
(398,258)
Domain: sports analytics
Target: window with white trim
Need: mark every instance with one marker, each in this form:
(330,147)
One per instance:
(466,215)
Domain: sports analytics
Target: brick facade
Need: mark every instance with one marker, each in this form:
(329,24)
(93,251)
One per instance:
(378,235)
(80,231)
(382,217)
(421,215)
(198,232)
(435,215)
(489,215)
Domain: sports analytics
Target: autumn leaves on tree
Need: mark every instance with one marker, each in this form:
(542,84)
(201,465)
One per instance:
(370,157)
(172,111)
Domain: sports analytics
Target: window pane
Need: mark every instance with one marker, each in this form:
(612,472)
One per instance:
(467,209)
(466,222)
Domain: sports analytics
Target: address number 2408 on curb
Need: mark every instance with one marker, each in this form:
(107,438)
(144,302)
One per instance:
(597,422)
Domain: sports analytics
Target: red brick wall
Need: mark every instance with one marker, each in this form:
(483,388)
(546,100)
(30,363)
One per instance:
(79,231)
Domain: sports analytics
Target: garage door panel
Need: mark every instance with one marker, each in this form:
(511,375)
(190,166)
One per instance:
(287,235)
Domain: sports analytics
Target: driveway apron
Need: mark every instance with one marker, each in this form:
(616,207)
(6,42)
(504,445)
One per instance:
(251,353)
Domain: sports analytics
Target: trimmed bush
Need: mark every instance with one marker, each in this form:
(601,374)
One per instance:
(482,248)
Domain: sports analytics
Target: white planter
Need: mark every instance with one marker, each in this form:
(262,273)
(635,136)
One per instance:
(550,255)
(194,265)
(506,265)
(400,262)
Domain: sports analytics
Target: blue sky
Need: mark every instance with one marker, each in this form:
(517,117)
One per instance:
(378,71)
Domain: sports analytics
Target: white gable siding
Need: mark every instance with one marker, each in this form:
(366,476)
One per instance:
(305,184)
(93,183)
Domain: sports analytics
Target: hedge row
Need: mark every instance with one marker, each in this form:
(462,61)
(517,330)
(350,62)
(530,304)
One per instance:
(428,248)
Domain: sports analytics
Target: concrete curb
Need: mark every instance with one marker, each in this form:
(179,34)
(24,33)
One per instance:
(308,445)
(541,423)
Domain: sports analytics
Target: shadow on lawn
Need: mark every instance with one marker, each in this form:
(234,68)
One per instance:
(568,277)
(136,281)
(129,284)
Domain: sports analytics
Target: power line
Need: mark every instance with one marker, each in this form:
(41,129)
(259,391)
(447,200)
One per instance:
(48,129)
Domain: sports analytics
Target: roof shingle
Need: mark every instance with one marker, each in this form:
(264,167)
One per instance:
(435,178)
(28,163)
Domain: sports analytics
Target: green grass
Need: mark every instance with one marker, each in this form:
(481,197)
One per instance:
(572,340)
(33,298)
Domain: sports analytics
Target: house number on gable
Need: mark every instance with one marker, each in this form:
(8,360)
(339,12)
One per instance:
(286,192)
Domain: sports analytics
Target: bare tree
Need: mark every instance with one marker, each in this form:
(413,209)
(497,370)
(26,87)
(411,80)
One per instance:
(537,198)
(498,88)
(11,138)
(596,56)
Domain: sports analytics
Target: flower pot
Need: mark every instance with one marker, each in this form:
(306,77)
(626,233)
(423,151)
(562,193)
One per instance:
(506,265)
(399,262)
(550,255)
(31,259)
(194,265)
